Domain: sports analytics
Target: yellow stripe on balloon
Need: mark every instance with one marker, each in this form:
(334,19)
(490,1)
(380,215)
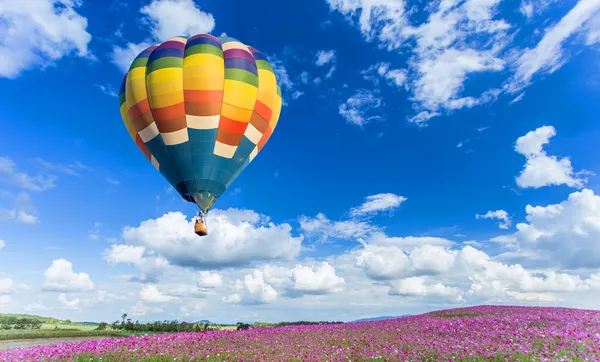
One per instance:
(210,62)
(235,113)
(164,100)
(202,83)
(164,75)
(240,94)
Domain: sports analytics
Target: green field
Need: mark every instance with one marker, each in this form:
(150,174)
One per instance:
(56,328)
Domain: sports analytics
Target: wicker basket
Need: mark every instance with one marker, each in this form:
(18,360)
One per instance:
(200,228)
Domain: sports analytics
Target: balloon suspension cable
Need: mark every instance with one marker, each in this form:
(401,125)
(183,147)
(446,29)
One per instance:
(202,217)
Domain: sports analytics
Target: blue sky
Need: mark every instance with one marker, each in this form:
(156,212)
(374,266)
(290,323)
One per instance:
(426,157)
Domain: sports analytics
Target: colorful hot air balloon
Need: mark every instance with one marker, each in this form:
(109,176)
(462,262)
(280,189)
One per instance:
(200,109)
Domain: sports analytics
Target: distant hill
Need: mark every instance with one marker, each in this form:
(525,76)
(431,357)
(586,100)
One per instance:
(48,320)
(87,323)
(383,318)
(203,321)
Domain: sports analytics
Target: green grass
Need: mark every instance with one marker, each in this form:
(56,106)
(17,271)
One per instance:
(62,333)
(73,326)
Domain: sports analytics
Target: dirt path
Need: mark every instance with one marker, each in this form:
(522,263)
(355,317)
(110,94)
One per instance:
(25,343)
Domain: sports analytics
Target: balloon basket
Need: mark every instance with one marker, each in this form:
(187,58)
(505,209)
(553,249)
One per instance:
(200,228)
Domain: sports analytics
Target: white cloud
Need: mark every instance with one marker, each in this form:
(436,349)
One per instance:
(122,57)
(316,279)
(169,18)
(149,264)
(125,254)
(94,233)
(2,244)
(113,181)
(140,309)
(381,20)
(60,277)
(151,294)
(284,80)
(380,238)
(235,237)
(355,110)
(526,8)
(418,287)
(38,183)
(548,55)
(253,290)
(207,279)
(543,170)
(6,285)
(461,39)
(73,169)
(72,304)
(377,203)
(166,19)
(108,90)
(518,98)
(18,216)
(395,77)
(465,274)
(40,33)
(566,233)
(441,77)
(325,57)
(327,229)
(5,300)
(421,118)
(499,215)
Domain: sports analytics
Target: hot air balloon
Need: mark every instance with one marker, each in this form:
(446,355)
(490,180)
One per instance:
(200,109)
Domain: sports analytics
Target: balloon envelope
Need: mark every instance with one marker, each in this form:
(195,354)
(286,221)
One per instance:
(200,109)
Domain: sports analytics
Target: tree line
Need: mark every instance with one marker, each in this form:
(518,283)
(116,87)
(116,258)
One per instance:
(10,322)
(166,326)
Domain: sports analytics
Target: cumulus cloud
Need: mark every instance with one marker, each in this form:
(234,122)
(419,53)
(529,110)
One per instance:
(418,287)
(169,18)
(253,290)
(166,19)
(270,282)
(543,170)
(125,254)
(236,237)
(148,263)
(70,304)
(59,32)
(207,279)
(319,278)
(151,294)
(378,203)
(501,215)
(357,109)
(465,274)
(60,277)
(566,233)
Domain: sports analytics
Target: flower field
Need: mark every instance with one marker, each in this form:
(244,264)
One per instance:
(490,333)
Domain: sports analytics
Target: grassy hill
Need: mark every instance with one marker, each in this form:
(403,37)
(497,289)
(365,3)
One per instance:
(47,320)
